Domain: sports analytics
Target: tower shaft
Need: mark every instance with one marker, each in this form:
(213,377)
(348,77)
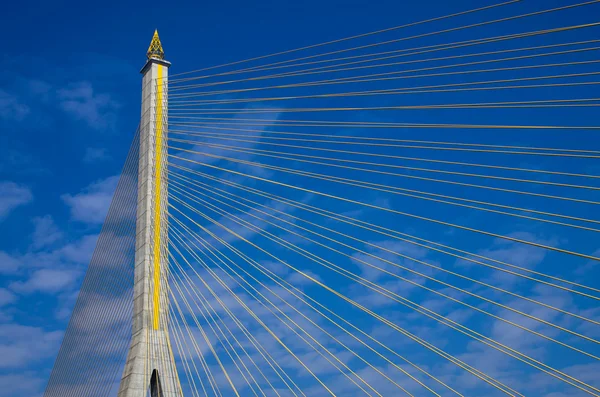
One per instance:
(150,365)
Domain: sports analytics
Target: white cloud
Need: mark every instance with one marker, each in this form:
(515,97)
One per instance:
(81,250)
(47,280)
(590,267)
(251,139)
(276,267)
(21,384)
(91,205)
(12,196)
(50,270)
(11,107)
(45,232)
(298,279)
(8,263)
(392,251)
(518,254)
(23,345)
(76,252)
(81,101)
(6,297)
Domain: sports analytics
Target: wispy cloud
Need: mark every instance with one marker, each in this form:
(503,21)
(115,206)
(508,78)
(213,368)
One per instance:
(11,107)
(8,263)
(45,269)
(252,138)
(94,155)
(6,297)
(91,205)
(22,345)
(47,280)
(80,100)
(12,196)
(21,384)
(514,253)
(45,232)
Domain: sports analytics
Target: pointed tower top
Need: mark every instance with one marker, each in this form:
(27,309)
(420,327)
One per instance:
(155,50)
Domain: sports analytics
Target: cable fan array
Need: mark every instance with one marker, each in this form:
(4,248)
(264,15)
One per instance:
(94,347)
(411,215)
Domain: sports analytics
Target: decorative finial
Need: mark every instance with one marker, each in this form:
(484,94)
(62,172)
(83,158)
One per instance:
(155,50)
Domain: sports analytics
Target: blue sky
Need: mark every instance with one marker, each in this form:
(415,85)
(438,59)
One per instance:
(69,107)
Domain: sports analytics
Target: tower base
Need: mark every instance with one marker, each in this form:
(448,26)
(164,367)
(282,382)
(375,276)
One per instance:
(150,367)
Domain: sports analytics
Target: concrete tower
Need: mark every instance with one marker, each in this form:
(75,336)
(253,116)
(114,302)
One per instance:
(150,365)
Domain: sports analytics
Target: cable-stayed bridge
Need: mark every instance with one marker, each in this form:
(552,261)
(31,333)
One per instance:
(409,211)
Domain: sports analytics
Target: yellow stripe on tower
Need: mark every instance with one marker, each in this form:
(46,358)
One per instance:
(158,131)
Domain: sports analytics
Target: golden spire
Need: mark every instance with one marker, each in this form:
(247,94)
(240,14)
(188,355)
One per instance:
(155,50)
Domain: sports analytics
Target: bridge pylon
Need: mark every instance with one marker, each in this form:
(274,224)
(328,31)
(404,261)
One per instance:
(150,365)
